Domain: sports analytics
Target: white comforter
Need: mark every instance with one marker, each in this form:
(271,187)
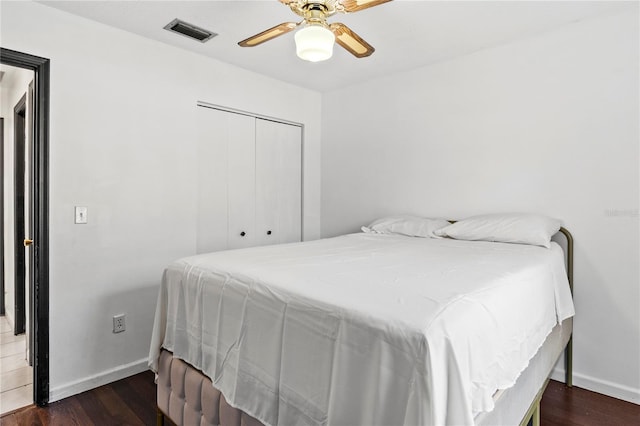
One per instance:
(362,329)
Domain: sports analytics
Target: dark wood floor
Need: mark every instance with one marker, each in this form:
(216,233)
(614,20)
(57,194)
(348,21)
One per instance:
(126,402)
(562,406)
(132,402)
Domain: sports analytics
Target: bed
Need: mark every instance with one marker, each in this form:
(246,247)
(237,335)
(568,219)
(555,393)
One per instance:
(358,329)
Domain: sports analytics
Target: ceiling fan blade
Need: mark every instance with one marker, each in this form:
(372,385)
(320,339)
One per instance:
(269,34)
(351,41)
(356,5)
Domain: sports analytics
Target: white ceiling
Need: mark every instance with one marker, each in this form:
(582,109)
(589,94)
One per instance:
(406,34)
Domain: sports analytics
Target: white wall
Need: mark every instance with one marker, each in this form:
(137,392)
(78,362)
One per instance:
(549,124)
(123,144)
(14,86)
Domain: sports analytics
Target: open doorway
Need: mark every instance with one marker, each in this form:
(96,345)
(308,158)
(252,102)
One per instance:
(16,372)
(37,190)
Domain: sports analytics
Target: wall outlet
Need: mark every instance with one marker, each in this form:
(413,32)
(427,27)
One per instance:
(118,323)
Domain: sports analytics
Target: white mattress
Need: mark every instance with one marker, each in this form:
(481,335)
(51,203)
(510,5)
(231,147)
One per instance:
(512,404)
(362,329)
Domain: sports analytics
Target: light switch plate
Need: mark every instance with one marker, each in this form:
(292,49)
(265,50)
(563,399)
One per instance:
(81,214)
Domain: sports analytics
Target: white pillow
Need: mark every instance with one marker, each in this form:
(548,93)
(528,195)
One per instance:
(507,228)
(412,226)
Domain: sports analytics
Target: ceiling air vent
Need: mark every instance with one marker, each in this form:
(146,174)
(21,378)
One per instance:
(190,30)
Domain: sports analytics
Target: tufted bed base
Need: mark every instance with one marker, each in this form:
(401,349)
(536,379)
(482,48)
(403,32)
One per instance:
(187,397)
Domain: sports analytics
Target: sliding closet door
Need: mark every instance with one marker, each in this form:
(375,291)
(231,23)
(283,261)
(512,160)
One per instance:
(241,179)
(215,129)
(278,149)
(249,181)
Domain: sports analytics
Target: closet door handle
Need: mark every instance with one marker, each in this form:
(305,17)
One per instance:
(242,234)
(268,232)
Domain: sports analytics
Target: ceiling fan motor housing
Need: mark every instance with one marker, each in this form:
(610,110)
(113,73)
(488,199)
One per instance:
(314,9)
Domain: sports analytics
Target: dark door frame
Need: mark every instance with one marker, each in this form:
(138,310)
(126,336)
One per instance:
(40,207)
(19,150)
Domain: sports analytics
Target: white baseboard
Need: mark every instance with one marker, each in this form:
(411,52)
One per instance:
(91,382)
(604,387)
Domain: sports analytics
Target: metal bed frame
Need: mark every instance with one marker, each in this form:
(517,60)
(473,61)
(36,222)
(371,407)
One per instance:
(532,417)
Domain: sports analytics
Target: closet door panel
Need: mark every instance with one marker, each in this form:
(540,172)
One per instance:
(290,184)
(267,193)
(213,136)
(278,182)
(241,181)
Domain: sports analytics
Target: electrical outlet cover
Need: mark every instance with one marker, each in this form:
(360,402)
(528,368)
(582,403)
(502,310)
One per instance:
(119,323)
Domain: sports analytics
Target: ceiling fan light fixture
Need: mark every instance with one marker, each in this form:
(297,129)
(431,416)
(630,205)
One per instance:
(314,43)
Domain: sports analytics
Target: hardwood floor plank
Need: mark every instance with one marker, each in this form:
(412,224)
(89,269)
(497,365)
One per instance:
(562,406)
(139,392)
(29,417)
(118,409)
(94,408)
(9,420)
(68,411)
(145,384)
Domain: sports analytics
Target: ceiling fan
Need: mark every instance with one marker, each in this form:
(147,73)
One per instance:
(314,42)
